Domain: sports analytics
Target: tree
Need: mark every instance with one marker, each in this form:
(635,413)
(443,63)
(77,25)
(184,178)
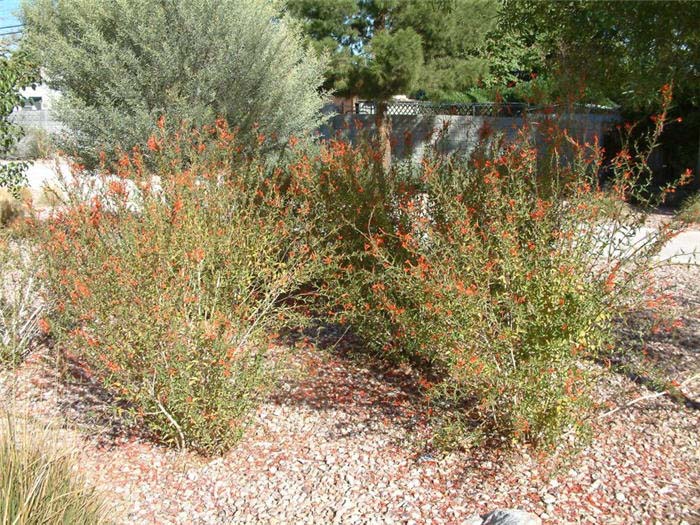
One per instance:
(391,66)
(453,33)
(382,48)
(121,64)
(621,51)
(16,72)
(626,50)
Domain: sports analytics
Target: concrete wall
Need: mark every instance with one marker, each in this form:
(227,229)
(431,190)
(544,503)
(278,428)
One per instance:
(411,135)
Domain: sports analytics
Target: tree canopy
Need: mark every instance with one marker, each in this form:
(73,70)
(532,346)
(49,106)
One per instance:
(618,52)
(381,48)
(17,71)
(623,51)
(121,64)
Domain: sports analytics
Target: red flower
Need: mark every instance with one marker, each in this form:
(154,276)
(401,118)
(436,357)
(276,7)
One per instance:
(152,143)
(177,205)
(44,326)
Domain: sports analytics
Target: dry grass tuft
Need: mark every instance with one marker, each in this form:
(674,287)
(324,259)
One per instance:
(38,479)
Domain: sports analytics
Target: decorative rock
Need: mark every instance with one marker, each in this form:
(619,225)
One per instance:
(548,498)
(474,520)
(511,517)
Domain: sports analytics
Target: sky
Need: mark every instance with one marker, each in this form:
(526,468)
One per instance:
(7,8)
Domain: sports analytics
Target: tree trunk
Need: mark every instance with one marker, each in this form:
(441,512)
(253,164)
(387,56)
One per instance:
(384,134)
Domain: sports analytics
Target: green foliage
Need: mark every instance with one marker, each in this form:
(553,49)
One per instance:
(394,66)
(359,35)
(353,196)
(325,25)
(39,482)
(605,52)
(16,72)
(454,38)
(386,47)
(624,51)
(13,176)
(498,276)
(171,282)
(121,65)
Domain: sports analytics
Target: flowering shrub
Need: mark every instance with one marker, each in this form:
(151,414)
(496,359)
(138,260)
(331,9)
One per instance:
(171,271)
(355,199)
(499,275)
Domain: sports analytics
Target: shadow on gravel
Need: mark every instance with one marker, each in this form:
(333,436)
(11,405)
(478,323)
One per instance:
(655,360)
(337,375)
(85,403)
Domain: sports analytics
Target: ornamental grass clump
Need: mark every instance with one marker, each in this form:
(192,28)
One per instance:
(502,276)
(172,271)
(21,307)
(39,482)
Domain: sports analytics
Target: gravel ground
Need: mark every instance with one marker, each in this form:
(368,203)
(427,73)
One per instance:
(345,443)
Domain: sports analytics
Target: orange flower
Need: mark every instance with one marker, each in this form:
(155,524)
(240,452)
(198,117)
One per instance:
(538,214)
(153,143)
(117,188)
(378,287)
(196,255)
(395,309)
(471,290)
(610,281)
(423,382)
(96,213)
(44,325)
(81,289)
(177,205)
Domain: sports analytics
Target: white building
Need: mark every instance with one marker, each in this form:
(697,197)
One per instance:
(36,112)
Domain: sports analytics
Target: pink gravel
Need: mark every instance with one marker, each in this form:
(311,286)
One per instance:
(344,443)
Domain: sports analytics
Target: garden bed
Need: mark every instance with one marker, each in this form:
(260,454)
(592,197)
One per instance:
(343,441)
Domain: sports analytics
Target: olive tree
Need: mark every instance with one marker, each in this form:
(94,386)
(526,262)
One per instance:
(121,64)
